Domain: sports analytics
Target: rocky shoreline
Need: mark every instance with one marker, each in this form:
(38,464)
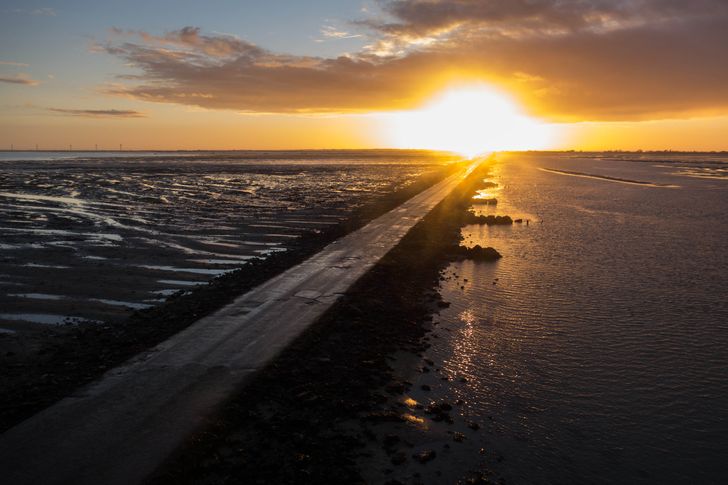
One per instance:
(40,368)
(328,401)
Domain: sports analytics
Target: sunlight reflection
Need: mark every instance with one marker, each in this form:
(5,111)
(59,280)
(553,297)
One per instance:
(410,403)
(412,419)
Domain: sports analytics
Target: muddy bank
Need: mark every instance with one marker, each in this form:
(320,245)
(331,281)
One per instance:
(322,405)
(95,239)
(39,367)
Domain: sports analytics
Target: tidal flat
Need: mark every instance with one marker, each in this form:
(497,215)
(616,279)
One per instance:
(89,229)
(593,351)
(47,354)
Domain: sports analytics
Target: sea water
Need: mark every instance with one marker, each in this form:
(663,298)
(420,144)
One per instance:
(596,349)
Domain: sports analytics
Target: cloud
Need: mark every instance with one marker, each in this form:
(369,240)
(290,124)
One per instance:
(331,32)
(23,79)
(565,59)
(99,113)
(189,40)
(413,18)
(46,11)
(16,64)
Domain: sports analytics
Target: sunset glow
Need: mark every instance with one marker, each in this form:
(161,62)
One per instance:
(459,75)
(468,120)
(363,241)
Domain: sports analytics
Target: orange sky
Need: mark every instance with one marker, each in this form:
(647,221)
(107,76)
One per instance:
(634,74)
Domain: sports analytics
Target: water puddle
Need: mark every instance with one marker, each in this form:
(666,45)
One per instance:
(37,296)
(49,266)
(125,304)
(175,269)
(235,262)
(166,292)
(180,282)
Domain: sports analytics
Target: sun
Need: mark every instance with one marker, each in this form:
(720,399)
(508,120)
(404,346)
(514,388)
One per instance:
(468,120)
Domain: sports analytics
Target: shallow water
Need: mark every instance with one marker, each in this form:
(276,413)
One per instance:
(598,345)
(109,232)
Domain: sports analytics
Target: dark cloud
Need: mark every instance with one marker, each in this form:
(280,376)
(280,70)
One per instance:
(223,72)
(216,47)
(533,17)
(99,113)
(567,59)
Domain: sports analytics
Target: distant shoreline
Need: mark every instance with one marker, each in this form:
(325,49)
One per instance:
(381,150)
(237,150)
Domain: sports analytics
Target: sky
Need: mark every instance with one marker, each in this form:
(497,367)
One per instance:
(287,74)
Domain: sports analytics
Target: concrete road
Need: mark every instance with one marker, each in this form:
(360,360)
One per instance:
(119,429)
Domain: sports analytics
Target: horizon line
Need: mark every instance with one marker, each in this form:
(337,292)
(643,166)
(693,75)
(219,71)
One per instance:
(208,150)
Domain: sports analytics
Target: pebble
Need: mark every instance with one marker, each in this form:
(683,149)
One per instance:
(398,458)
(391,439)
(424,456)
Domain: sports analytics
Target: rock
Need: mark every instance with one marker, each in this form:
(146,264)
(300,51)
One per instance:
(473,425)
(478,253)
(391,440)
(398,458)
(440,411)
(439,407)
(396,388)
(384,417)
(490,220)
(425,387)
(479,479)
(425,456)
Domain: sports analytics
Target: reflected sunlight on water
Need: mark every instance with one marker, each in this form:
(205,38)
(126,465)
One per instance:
(599,343)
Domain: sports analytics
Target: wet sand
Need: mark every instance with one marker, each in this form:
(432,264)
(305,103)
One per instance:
(332,408)
(44,364)
(93,239)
